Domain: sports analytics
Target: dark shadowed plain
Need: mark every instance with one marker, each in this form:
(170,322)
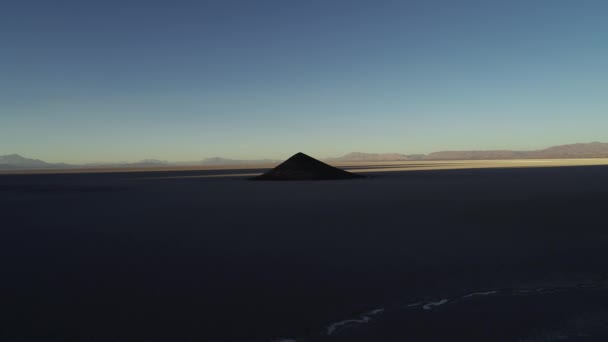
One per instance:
(513,254)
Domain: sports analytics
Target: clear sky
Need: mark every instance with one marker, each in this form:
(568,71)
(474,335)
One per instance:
(123,80)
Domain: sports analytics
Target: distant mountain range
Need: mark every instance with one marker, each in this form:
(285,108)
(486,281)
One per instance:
(360,156)
(17,162)
(225,161)
(588,150)
(585,150)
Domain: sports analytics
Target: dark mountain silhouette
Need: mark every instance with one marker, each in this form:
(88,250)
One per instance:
(302,167)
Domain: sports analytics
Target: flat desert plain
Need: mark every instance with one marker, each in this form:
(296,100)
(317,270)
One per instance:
(417,251)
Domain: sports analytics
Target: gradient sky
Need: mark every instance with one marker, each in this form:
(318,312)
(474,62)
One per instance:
(87,81)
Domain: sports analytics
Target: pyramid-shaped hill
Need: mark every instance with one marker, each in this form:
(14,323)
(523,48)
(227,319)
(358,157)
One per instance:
(303,167)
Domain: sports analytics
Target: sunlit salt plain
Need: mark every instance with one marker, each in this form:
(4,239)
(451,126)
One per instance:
(378,166)
(467,164)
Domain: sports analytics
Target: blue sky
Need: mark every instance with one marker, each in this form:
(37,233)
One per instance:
(86,81)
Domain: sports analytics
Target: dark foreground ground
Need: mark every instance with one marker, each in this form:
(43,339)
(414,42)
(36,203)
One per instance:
(486,254)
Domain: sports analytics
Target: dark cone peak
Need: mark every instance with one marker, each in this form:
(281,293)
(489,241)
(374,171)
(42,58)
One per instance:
(303,167)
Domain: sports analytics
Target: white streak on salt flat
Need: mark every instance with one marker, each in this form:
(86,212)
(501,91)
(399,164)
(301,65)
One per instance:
(375,312)
(487,293)
(430,305)
(414,304)
(366,317)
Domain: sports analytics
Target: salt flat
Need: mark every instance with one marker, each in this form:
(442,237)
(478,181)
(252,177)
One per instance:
(379,166)
(190,256)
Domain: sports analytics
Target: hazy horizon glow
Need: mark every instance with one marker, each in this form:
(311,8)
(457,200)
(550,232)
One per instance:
(86,81)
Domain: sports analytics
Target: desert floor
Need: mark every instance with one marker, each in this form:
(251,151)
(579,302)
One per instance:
(418,251)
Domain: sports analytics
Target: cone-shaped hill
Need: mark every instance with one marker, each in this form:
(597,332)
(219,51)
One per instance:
(303,167)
